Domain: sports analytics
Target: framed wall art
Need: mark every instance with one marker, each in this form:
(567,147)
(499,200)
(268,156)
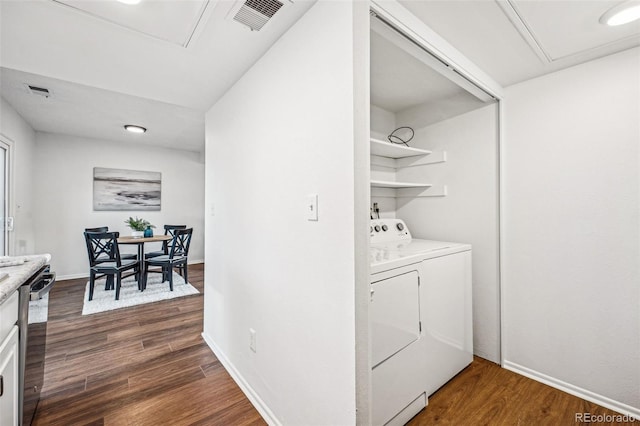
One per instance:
(120,189)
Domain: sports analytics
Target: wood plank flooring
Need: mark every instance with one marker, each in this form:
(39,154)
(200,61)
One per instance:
(148,365)
(144,365)
(486,394)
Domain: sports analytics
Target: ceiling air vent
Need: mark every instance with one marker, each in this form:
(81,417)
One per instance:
(40,91)
(255,13)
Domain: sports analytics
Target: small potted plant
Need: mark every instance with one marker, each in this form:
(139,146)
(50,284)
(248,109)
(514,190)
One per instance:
(139,227)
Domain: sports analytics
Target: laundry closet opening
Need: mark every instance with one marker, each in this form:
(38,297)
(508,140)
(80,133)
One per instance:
(451,194)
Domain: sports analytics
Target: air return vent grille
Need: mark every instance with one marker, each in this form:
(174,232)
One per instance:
(255,13)
(40,91)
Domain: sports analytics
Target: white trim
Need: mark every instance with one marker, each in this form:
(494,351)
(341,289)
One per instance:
(249,392)
(86,275)
(512,13)
(361,44)
(601,400)
(501,229)
(71,276)
(9,145)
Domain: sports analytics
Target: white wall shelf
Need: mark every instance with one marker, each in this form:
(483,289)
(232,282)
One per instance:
(409,192)
(433,158)
(396,185)
(391,150)
(385,155)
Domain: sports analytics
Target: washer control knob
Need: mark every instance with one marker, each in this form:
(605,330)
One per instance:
(400,226)
(377,228)
(385,228)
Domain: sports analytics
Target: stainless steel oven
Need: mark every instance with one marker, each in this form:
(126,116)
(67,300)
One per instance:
(32,323)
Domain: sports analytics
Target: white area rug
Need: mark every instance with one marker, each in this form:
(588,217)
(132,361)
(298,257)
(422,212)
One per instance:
(105,300)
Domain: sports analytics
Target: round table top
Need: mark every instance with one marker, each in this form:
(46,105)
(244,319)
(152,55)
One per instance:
(140,240)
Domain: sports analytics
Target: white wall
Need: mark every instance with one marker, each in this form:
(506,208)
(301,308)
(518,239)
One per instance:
(572,229)
(63,194)
(383,122)
(284,131)
(469,212)
(22,139)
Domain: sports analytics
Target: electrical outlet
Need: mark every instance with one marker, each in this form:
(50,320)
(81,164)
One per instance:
(252,339)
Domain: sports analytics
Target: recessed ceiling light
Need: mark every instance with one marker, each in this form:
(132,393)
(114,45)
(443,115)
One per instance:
(129,1)
(135,129)
(624,13)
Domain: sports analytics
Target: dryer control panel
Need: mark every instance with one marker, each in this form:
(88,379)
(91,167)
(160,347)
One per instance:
(388,230)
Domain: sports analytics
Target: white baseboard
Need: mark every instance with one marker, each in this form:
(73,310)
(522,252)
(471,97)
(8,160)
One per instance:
(609,403)
(86,274)
(253,397)
(71,276)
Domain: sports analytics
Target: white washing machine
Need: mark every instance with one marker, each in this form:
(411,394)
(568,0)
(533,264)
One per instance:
(420,318)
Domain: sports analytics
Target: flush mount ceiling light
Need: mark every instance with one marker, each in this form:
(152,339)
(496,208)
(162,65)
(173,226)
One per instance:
(623,13)
(129,1)
(135,129)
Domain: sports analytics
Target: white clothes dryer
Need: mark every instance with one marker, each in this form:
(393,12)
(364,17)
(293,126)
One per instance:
(420,318)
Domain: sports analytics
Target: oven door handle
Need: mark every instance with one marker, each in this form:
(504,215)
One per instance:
(50,278)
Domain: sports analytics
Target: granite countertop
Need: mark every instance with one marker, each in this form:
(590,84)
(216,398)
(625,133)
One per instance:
(19,274)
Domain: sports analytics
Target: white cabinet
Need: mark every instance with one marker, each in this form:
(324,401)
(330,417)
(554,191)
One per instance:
(9,379)
(9,412)
(8,315)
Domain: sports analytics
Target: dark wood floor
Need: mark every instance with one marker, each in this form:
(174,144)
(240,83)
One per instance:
(144,365)
(148,365)
(486,394)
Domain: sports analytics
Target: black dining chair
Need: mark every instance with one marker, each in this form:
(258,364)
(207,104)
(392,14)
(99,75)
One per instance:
(93,259)
(178,248)
(168,230)
(104,246)
(106,229)
(98,229)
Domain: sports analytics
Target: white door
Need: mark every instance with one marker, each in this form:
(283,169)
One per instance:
(6,222)
(395,315)
(397,357)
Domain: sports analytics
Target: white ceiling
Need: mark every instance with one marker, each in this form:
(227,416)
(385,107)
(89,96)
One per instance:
(165,62)
(101,114)
(516,40)
(171,21)
(403,82)
(399,80)
(44,37)
(96,50)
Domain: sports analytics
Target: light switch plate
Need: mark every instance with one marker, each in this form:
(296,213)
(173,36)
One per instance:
(312,207)
(252,340)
